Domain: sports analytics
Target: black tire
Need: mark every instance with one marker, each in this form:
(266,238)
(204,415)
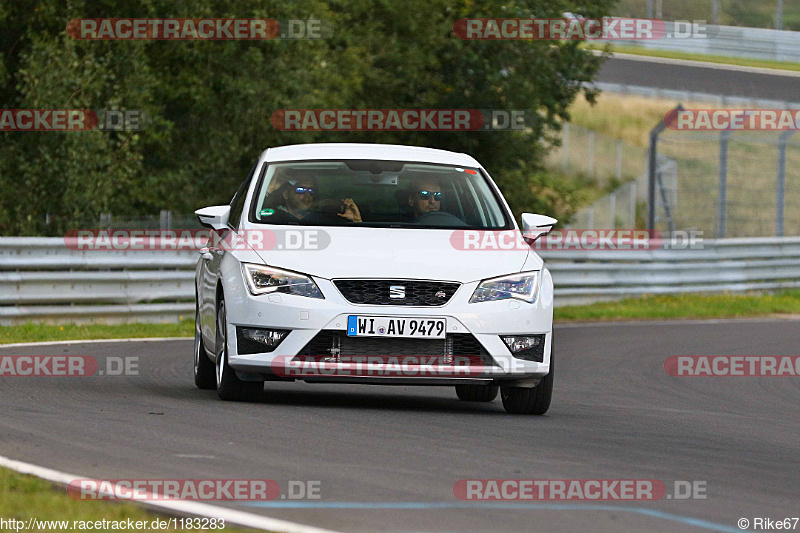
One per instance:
(204,372)
(524,401)
(229,386)
(477,393)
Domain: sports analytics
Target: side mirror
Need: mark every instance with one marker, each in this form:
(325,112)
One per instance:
(535,226)
(214,217)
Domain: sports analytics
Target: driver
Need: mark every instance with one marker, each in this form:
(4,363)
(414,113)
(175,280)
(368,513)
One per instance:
(425,196)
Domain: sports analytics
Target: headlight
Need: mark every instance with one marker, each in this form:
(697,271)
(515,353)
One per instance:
(266,280)
(523,287)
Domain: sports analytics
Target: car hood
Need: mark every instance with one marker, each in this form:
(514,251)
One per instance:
(347,252)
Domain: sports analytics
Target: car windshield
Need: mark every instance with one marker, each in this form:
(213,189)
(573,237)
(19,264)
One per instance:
(377,194)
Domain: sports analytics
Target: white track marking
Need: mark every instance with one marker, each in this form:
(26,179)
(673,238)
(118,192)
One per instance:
(178,506)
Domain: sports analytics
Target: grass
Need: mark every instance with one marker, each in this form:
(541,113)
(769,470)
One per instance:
(31,332)
(685,306)
(708,58)
(23,497)
(626,117)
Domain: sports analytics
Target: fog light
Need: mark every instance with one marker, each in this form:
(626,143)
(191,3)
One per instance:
(527,347)
(257,340)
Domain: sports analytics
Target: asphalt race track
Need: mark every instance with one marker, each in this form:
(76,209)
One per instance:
(388,457)
(703,78)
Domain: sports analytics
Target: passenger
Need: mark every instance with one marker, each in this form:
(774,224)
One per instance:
(297,199)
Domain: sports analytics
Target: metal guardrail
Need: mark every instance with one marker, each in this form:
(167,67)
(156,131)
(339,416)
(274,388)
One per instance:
(734,265)
(42,280)
(731,41)
(718,100)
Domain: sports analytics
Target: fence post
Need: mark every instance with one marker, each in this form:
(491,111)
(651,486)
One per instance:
(781,188)
(652,166)
(722,197)
(612,208)
(165,219)
(619,159)
(565,147)
(591,153)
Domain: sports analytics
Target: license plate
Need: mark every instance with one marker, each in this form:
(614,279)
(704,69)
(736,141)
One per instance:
(379,326)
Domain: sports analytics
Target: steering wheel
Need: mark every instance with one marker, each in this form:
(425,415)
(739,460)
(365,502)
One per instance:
(440,218)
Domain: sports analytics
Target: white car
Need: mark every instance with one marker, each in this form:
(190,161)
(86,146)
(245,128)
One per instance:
(376,264)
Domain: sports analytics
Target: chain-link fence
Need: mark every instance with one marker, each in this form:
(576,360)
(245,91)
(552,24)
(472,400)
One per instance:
(777,14)
(622,208)
(728,184)
(596,156)
(610,164)
(721,183)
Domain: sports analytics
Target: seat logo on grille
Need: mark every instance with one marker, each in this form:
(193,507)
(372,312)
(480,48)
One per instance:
(397,292)
(441,294)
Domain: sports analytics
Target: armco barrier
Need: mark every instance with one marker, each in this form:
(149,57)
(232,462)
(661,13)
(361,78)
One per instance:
(732,41)
(735,265)
(42,280)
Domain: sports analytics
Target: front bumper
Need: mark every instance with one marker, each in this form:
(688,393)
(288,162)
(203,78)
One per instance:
(308,317)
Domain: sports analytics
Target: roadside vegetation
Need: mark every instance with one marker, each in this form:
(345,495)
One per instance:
(209,102)
(749,13)
(685,306)
(31,332)
(23,497)
(723,60)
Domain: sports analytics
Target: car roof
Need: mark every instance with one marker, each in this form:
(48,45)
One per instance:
(383,152)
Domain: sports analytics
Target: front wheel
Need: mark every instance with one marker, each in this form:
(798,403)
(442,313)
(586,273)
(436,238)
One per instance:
(534,401)
(229,386)
(204,371)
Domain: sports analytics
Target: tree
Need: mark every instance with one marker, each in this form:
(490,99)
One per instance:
(210,101)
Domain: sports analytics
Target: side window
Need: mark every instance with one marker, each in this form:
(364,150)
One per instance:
(237,204)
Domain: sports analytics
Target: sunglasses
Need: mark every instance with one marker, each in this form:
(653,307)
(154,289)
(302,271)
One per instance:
(303,190)
(426,195)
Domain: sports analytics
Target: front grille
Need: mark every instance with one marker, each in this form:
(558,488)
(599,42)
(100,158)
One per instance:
(414,292)
(329,343)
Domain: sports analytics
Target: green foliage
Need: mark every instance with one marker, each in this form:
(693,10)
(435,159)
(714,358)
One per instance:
(210,101)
